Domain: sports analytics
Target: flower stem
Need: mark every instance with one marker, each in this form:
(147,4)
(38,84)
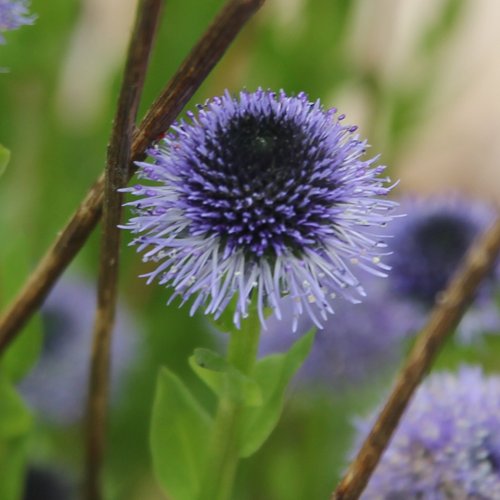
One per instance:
(141,43)
(222,459)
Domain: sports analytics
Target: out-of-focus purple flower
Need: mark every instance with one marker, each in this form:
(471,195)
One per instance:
(56,388)
(13,14)
(427,247)
(44,483)
(447,445)
(360,342)
(262,195)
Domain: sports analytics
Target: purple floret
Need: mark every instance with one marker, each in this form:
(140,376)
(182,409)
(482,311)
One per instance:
(14,14)
(261,195)
(447,445)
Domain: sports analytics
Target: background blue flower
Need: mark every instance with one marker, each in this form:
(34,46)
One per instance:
(447,444)
(56,388)
(427,247)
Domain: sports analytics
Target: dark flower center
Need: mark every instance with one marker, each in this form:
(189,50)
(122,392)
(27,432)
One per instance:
(427,257)
(263,151)
(442,238)
(255,186)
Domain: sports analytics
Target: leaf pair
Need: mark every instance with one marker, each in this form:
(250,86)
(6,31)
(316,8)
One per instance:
(181,428)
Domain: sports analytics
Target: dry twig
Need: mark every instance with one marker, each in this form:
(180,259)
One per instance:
(443,319)
(116,176)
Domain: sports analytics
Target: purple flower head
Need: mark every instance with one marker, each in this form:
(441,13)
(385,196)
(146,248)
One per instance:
(13,14)
(56,388)
(357,343)
(261,195)
(447,445)
(427,247)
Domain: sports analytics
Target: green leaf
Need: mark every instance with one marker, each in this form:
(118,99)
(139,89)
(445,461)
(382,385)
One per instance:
(273,374)
(15,423)
(15,419)
(211,360)
(14,267)
(23,352)
(4,158)
(224,379)
(180,430)
(12,467)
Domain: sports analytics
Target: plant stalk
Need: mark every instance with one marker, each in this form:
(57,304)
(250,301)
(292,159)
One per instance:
(223,456)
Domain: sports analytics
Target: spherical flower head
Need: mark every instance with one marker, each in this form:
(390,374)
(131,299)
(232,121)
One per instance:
(13,14)
(427,247)
(259,196)
(56,387)
(358,344)
(447,445)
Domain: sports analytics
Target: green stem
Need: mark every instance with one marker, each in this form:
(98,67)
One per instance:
(223,455)
(243,344)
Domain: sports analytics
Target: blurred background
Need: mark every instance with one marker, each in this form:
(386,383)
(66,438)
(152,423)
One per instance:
(419,77)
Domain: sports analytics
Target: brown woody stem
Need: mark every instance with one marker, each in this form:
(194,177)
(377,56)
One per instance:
(116,177)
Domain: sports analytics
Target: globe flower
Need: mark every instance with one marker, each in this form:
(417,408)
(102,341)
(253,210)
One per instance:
(56,387)
(259,196)
(427,247)
(447,444)
(13,14)
(359,343)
